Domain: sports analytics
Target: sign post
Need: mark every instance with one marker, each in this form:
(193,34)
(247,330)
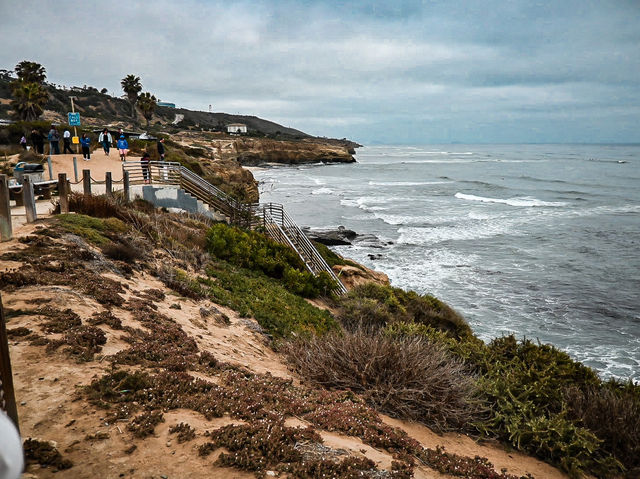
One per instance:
(74,121)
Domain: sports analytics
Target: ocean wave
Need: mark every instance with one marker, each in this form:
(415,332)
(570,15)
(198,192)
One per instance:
(474,230)
(371,203)
(525,201)
(322,191)
(396,220)
(406,183)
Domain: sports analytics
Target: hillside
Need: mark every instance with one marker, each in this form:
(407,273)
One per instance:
(139,353)
(100,109)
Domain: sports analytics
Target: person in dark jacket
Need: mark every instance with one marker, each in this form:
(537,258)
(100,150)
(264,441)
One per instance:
(85,142)
(37,140)
(66,140)
(146,170)
(161,149)
(54,141)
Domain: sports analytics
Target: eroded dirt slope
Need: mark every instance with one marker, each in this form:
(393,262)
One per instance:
(130,379)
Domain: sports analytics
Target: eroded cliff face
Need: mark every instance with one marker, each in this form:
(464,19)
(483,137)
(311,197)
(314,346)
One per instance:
(222,157)
(254,151)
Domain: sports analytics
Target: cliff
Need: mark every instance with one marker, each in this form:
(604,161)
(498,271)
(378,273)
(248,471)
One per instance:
(138,355)
(255,151)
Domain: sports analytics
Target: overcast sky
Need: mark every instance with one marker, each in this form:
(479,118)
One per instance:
(378,72)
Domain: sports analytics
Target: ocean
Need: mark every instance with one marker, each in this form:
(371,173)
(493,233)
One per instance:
(540,241)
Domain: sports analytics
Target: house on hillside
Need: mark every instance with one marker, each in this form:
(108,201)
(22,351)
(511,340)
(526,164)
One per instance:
(166,103)
(236,128)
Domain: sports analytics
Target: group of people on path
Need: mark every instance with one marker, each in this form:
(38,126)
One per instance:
(105,139)
(53,137)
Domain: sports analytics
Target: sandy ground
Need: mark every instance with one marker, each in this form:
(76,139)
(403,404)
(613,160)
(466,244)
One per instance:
(48,408)
(98,166)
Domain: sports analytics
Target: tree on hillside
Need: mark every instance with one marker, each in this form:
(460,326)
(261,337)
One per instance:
(31,72)
(28,100)
(132,86)
(147,104)
(28,90)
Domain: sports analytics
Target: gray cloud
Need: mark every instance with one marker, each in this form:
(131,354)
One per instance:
(420,71)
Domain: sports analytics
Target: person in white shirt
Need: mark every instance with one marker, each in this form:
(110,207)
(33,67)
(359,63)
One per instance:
(105,140)
(66,138)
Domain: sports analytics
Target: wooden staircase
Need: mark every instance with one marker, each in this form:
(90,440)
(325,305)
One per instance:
(270,217)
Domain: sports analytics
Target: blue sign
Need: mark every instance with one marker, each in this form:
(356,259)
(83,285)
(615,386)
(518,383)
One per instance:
(74,119)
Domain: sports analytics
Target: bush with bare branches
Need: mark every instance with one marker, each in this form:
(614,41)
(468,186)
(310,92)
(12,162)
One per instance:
(612,412)
(407,378)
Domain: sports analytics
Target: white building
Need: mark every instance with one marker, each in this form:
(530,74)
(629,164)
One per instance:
(236,128)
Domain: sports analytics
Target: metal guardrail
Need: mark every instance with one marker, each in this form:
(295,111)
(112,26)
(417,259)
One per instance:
(272,217)
(281,227)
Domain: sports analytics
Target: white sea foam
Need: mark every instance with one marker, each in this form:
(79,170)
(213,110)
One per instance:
(524,201)
(460,231)
(322,191)
(406,183)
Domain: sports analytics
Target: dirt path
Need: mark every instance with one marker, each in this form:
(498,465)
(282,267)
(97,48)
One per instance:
(99,164)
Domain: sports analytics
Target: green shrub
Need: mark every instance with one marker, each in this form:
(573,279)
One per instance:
(524,383)
(91,229)
(277,309)
(332,258)
(254,251)
(374,306)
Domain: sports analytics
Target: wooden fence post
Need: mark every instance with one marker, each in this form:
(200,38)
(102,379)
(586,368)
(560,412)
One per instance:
(108,184)
(127,188)
(63,191)
(75,169)
(50,168)
(86,181)
(29,200)
(6,228)
(7,393)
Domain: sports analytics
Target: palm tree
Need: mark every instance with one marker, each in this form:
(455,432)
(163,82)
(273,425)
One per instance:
(147,104)
(29,100)
(30,72)
(132,86)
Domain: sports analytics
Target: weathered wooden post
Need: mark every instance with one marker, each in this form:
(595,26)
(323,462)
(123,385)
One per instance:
(75,169)
(50,168)
(7,393)
(108,184)
(63,191)
(86,181)
(6,229)
(29,199)
(127,188)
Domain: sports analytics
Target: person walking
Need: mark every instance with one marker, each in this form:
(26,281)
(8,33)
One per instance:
(66,140)
(85,142)
(38,141)
(146,169)
(54,141)
(23,142)
(105,140)
(123,148)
